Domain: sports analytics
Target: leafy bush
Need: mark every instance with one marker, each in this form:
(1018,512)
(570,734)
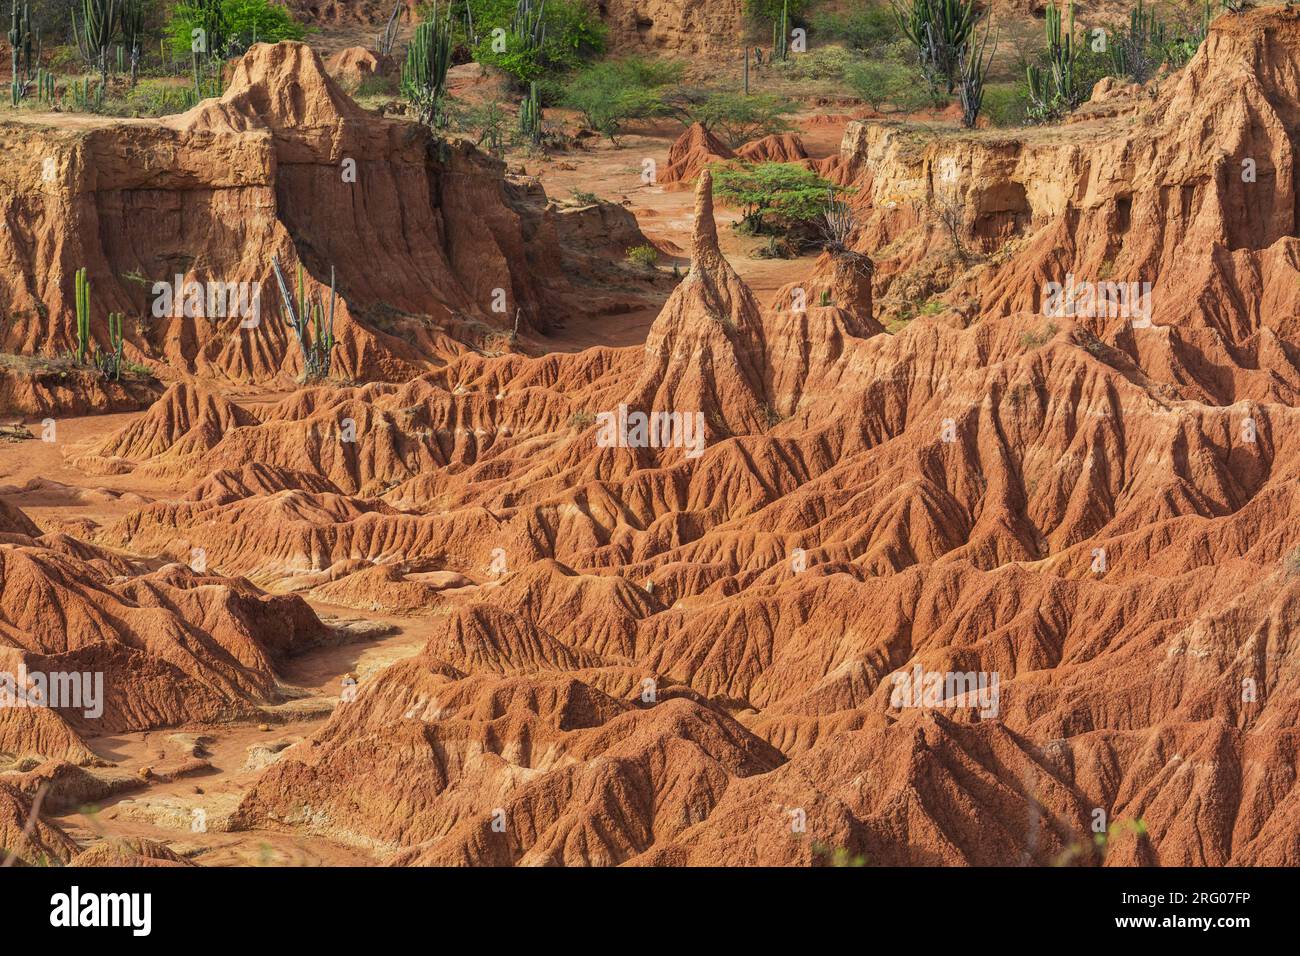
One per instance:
(488,124)
(822,63)
(887,82)
(769,11)
(645,256)
(241,21)
(737,118)
(871,29)
(787,191)
(157,98)
(574,34)
(1006,104)
(609,94)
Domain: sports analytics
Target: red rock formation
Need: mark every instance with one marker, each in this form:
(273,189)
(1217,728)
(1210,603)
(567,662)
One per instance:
(422,234)
(695,150)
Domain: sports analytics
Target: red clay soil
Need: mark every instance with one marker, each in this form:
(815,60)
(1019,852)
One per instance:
(1076,533)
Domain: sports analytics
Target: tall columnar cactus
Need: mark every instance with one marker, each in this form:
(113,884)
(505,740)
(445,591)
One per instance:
(95,32)
(974,71)
(44,87)
(781,43)
(424,77)
(384,45)
(312,325)
(940,31)
(1138,50)
(132,35)
(1062,93)
(21,50)
(110,363)
(83,315)
(530,115)
(528,25)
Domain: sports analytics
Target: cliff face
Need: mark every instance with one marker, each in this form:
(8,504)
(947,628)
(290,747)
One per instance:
(421,235)
(1191,192)
(673,27)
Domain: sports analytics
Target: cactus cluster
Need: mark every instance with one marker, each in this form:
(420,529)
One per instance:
(1138,50)
(110,362)
(530,115)
(941,32)
(424,76)
(25,52)
(528,25)
(44,86)
(95,32)
(311,324)
(1056,90)
(781,34)
(86,96)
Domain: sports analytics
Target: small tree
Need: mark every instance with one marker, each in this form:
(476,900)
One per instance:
(787,192)
(737,118)
(610,94)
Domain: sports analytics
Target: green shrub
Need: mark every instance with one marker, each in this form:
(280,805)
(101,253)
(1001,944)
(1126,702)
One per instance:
(157,98)
(1006,104)
(1030,341)
(645,256)
(769,11)
(241,22)
(883,83)
(574,34)
(819,63)
(609,94)
(786,191)
(871,29)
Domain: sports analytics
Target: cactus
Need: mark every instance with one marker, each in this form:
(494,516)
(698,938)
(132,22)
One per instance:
(1140,49)
(940,31)
(83,315)
(21,51)
(424,77)
(1063,94)
(85,97)
(781,46)
(132,20)
(530,115)
(528,25)
(974,70)
(312,325)
(110,362)
(384,44)
(837,223)
(95,32)
(44,87)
